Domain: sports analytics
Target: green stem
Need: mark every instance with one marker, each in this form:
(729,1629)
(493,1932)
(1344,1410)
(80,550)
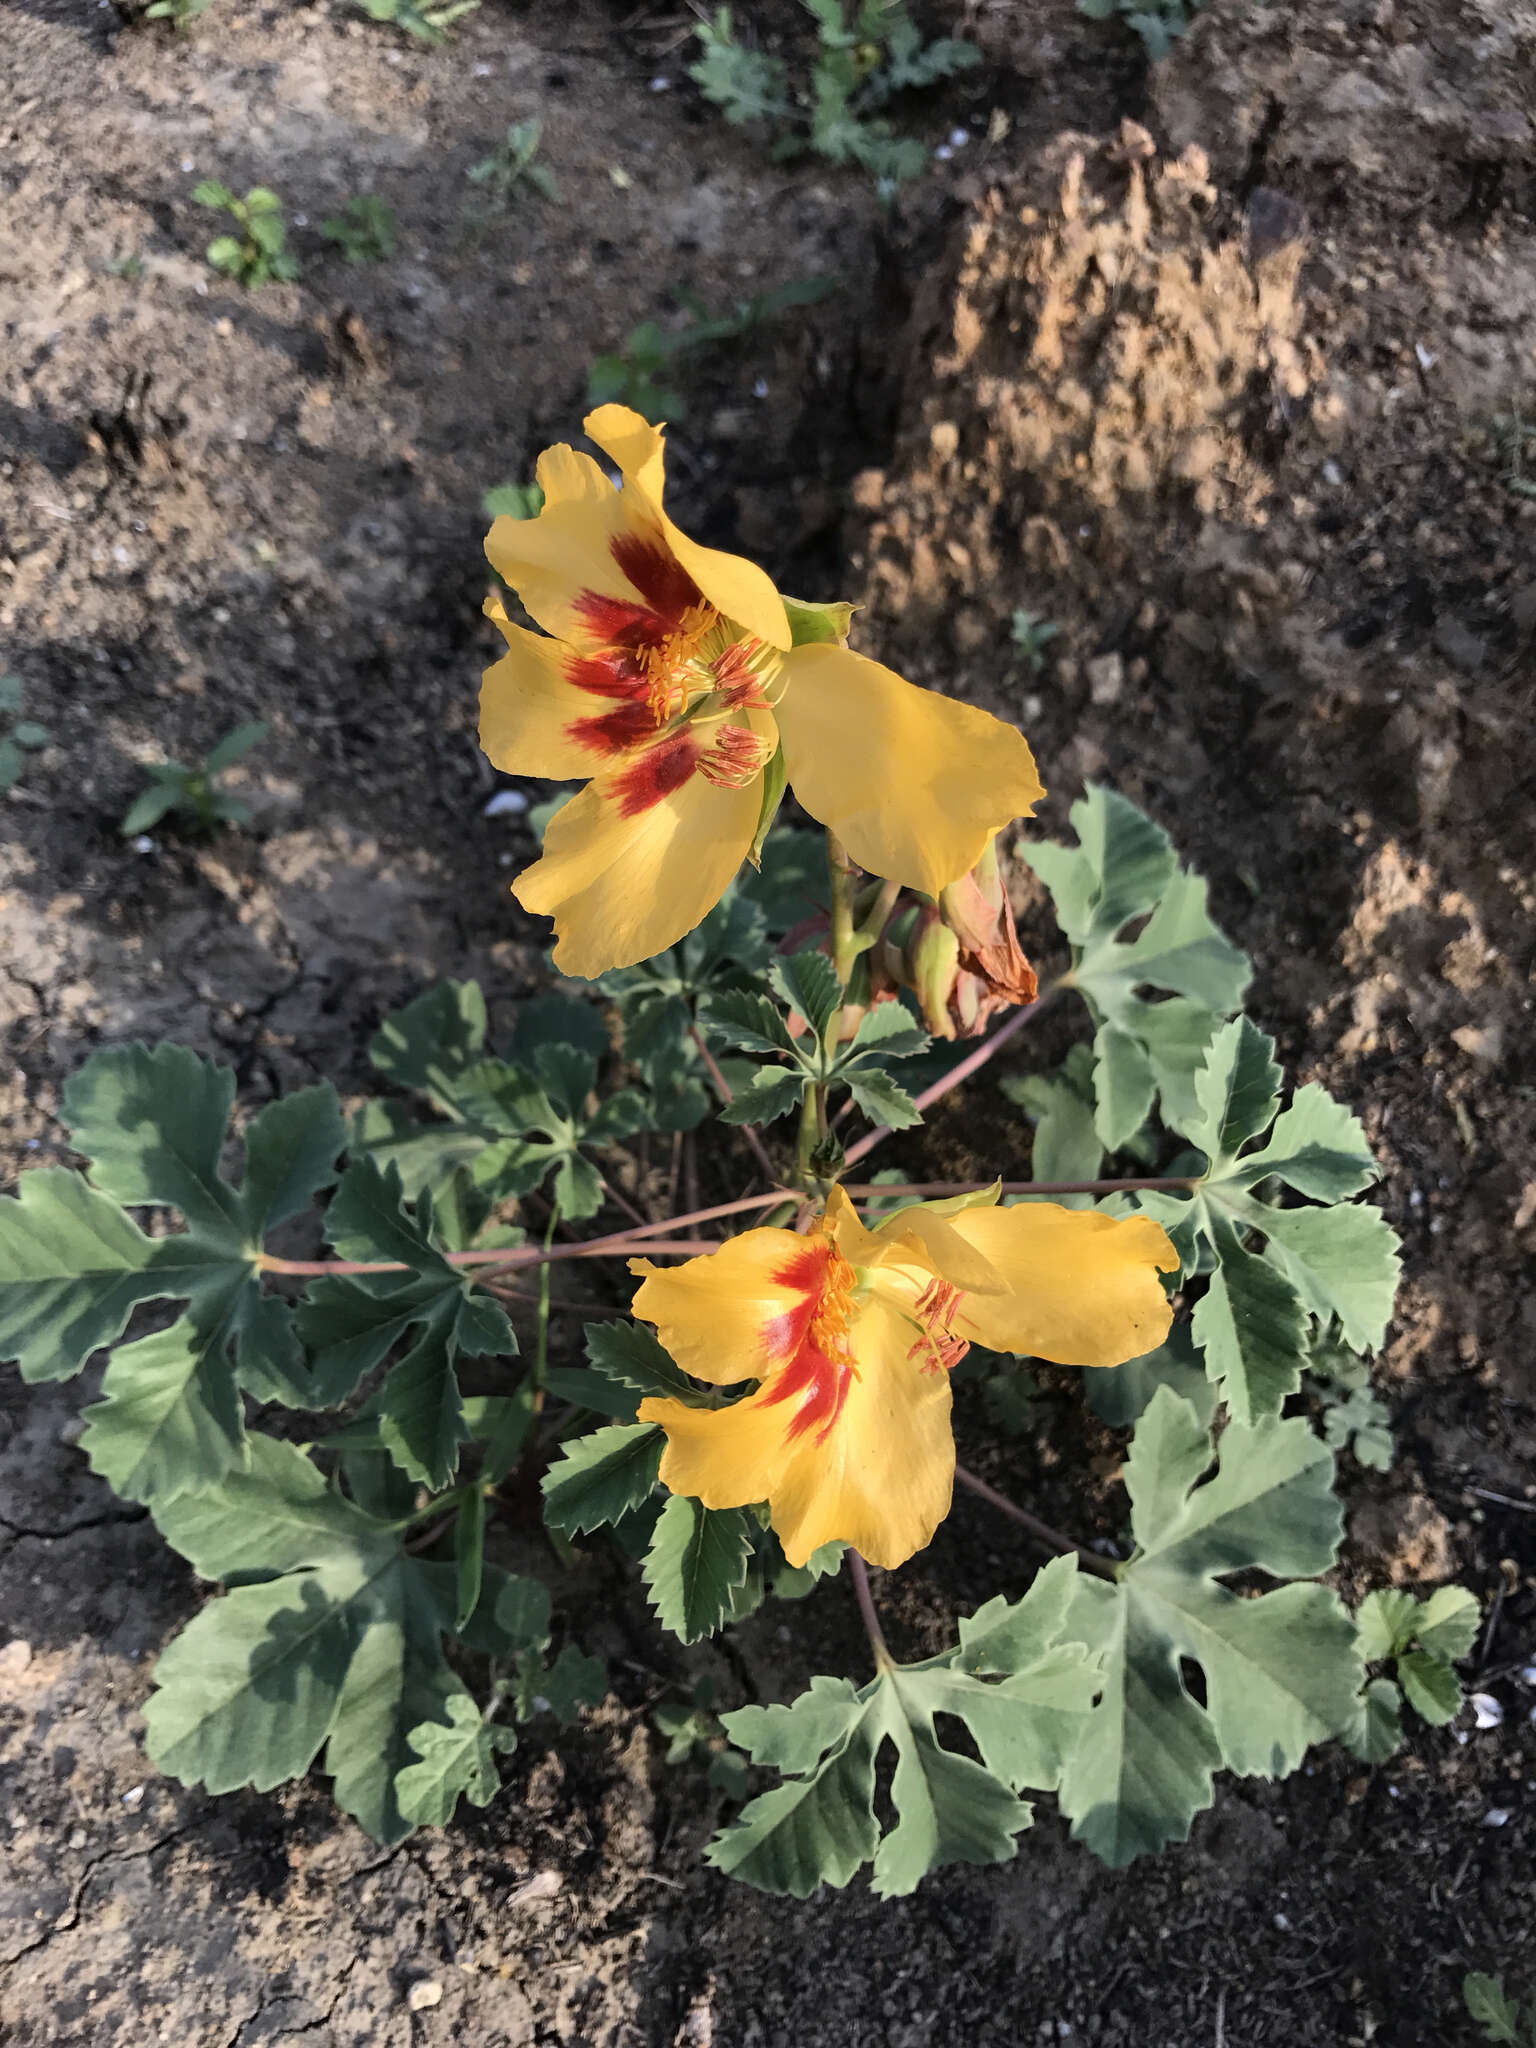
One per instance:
(540,1369)
(845,948)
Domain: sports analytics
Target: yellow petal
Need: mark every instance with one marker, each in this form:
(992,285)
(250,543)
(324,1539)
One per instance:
(736,587)
(724,1457)
(736,1313)
(528,708)
(913,783)
(881,1478)
(1083,1287)
(567,550)
(622,887)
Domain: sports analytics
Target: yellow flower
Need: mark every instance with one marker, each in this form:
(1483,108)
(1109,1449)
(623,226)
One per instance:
(850,1333)
(669,678)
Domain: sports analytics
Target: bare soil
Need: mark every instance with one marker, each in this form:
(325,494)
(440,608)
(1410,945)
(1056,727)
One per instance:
(1220,394)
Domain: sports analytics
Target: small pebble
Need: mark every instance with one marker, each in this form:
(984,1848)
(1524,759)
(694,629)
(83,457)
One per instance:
(133,1798)
(15,1658)
(659,84)
(424,1993)
(1486,1709)
(943,153)
(1496,1817)
(143,844)
(959,137)
(760,388)
(506,803)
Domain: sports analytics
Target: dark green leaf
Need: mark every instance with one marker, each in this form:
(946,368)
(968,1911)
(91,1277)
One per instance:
(601,1476)
(1252,1328)
(696,1564)
(339,1645)
(771,1092)
(633,1356)
(808,983)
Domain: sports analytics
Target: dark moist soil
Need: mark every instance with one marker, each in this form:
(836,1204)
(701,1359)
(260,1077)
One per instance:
(1230,417)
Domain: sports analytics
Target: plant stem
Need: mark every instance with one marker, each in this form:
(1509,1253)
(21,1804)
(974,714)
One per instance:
(962,1071)
(805,1143)
(840,877)
(1041,1531)
(722,1088)
(621,1201)
(858,1571)
(540,1368)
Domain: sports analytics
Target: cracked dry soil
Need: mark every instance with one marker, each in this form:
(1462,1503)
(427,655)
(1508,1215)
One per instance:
(1226,396)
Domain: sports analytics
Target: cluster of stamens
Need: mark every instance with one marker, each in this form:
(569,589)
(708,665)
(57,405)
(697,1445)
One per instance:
(936,1344)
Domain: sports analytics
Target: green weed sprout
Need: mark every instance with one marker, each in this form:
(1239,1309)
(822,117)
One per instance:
(867,53)
(511,164)
(179,13)
(1031,636)
(18,736)
(364,230)
(1159,23)
(195,794)
(639,374)
(429,24)
(260,251)
(514,501)
(1495,2011)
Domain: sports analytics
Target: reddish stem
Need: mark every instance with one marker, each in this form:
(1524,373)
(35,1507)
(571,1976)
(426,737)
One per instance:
(858,1571)
(1041,1531)
(722,1088)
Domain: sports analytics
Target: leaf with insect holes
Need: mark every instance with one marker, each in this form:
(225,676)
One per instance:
(1281,1671)
(1017,1687)
(696,1565)
(73,1266)
(330,1640)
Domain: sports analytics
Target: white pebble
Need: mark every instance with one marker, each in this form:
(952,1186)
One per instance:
(959,137)
(506,803)
(943,153)
(425,1992)
(133,1798)
(1496,1817)
(660,84)
(143,844)
(1485,1707)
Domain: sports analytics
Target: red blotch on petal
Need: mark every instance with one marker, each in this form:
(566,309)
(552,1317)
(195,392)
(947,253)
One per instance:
(657,574)
(614,732)
(659,770)
(610,674)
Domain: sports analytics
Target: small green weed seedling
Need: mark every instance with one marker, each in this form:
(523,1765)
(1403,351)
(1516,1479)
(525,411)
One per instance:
(18,736)
(428,24)
(1422,1641)
(1495,2012)
(640,374)
(512,164)
(195,794)
(364,230)
(179,13)
(259,252)
(1159,23)
(1031,636)
(867,52)
(694,1732)
(515,501)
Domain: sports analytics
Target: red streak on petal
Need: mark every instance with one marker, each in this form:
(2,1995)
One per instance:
(816,1383)
(784,1334)
(659,770)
